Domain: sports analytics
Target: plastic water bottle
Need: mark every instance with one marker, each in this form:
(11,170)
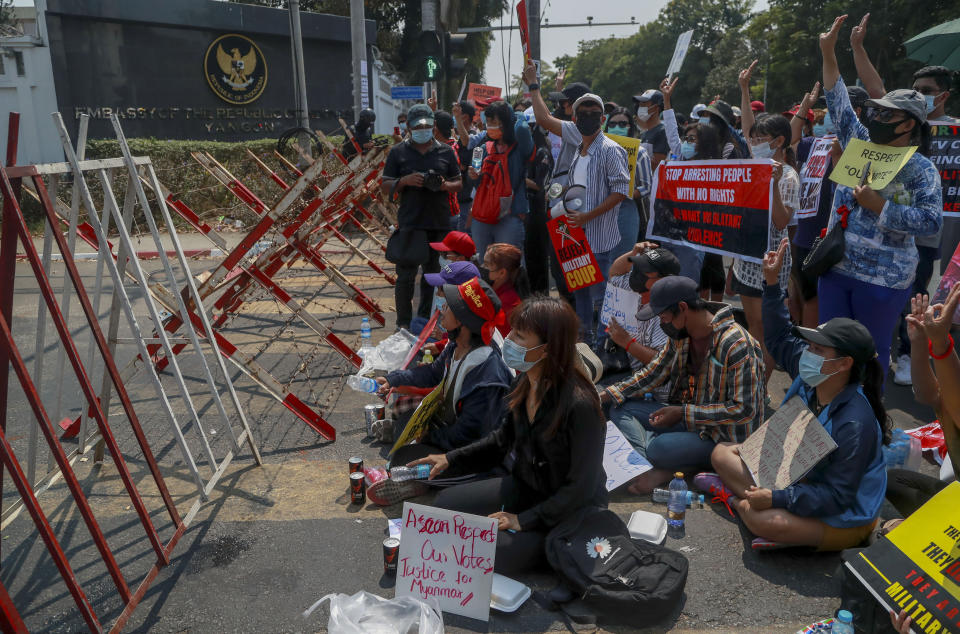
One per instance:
(427,357)
(662,496)
(648,397)
(677,506)
(419,472)
(364,337)
(843,624)
(477,157)
(363,384)
(915,453)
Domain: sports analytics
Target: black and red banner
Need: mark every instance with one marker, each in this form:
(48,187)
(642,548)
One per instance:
(717,206)
(945,154)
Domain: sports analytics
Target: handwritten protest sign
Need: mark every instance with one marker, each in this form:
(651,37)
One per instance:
(945,154)
(679,52)
(811,176)
(482,92)
(419,422)
(885,163)
(632,146)
(786,447)
(621,461)
(717,206)
(447,556)
(916,567)
(621,304)
(579,265)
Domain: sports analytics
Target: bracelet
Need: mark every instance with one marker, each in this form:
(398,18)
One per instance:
(632,341)
(533,87)
(945,354)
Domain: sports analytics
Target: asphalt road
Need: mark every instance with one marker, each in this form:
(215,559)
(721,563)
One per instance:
(274,539)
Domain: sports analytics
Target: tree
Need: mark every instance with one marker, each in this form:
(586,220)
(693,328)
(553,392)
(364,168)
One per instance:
(8,20)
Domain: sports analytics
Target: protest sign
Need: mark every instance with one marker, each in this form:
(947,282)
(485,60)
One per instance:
(621,462)
(419,422)
(786,447)
(811,176)
(482,92)
(579,265)
(950,277)
(679,53)
(621,304)
(447,556)
(916,566)
(524,31)
(885,163)
(717,206)
(945,154)
(632,146)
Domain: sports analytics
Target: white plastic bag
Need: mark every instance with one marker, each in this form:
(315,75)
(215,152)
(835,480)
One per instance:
(389,353)
(365,613)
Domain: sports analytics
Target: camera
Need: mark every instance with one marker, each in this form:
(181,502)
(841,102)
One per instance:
(433,180)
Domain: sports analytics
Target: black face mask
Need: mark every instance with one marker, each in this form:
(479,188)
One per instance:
(673,332)
(588,123)
(883,132)
(485,276)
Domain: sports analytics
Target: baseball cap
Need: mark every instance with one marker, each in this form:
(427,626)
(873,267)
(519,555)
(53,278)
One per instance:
(419,114)
(736,111)
(857,95)
(660,261)
(792,112)
(587,97)
(650,96)
(574,91)
(757,106)
(458,242)
(906,99)
(474,304)
(453,273)
(847,336)
(697,109)
(666,293)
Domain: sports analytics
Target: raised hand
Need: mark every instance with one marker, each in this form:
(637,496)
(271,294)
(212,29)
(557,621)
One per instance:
(809,99)
(859,32)
(560,79)
(432,101)
(773,262)
(667,87)
(916,330)
(745,75)
(938,319)
(828,40)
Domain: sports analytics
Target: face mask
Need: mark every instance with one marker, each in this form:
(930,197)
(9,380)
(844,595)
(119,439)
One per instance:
(494,133)
(705,120)
(687,150)
(618,129)
(882,132)
(514,355)
(643,113)
(762,151)
(810,366)
(673,332)
(819,129)
(930,105)
(485,275)
(588,123)
(422,136)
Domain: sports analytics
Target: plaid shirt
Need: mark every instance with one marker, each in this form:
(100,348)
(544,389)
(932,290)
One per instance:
(727,399)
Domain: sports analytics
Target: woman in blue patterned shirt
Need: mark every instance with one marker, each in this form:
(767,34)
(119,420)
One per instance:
(872,282)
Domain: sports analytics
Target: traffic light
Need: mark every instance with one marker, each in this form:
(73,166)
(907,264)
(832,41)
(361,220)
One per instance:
(454,44)
(431,68)
(431,54)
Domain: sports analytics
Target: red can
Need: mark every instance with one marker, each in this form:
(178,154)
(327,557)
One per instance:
(358,489)
(391,552)
(356,464)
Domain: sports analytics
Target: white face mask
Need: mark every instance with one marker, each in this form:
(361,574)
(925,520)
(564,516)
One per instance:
(643,113)
(762,151)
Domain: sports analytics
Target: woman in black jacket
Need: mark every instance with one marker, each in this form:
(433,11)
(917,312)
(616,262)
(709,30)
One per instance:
(555,430)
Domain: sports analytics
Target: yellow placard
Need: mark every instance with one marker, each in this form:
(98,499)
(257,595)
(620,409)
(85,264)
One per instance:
(419,422)
(632,146)
(885,163)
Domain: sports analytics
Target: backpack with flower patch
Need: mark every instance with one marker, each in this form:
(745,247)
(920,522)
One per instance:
(618,578)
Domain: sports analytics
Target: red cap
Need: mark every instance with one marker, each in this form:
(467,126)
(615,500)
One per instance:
(793,111)
(757,106)
(478,302)
(458,242)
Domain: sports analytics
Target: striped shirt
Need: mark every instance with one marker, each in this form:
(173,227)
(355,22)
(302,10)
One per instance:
(607,174)
(726,403)
(643,180)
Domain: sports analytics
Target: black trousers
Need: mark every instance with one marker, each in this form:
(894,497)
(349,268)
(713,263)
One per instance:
(516,552)
(537,247)
(908,490)
(407,280)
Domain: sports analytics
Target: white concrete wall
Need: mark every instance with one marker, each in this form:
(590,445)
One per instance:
(31,94)
(385,107)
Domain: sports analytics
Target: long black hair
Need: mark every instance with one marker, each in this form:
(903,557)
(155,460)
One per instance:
(503,113)
(631,123)
(708,140)
(870,376)
(774,125)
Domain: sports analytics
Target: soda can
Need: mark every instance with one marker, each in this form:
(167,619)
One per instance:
(358,489)
(356,464)
(371,414)
(391,552)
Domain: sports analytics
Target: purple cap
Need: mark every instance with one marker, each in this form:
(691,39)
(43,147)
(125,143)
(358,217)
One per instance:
(453,273)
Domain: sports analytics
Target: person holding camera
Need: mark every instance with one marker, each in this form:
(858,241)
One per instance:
(420,172)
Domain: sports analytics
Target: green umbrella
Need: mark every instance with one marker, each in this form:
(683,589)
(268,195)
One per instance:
(939,46)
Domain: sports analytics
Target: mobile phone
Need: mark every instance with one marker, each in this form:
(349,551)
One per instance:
(396,130)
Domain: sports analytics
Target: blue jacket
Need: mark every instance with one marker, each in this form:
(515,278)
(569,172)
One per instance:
(479,407)
(517,161)
(846,488)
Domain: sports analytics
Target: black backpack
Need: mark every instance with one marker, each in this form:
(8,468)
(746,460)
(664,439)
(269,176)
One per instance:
(616,577)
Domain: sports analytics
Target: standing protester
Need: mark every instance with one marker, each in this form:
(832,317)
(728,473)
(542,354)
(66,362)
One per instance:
(443,131)
(423,215)
(362,134)
(631,222)
(400,132)
(720,115)
(649,105)
(536,245)
(873,281)
(463,113)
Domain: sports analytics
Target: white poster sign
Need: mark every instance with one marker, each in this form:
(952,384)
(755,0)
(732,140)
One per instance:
(621,461)
(621,304)
(811,176)
(447,556)
(679,52)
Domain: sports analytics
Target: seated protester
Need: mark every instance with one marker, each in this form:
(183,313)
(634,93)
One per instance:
(503,270)
(929,330)
(456,246)
(553,428)
(474,380)
(455,273)
(835,372)
(716,370)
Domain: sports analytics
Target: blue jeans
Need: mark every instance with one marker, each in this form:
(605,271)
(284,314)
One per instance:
(628,222)
(675,448)
(465,206)
(691,260)
(587,300)
(633,420)
(509,230)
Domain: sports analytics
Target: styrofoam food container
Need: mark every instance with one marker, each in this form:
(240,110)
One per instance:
(647,526)
(507,594)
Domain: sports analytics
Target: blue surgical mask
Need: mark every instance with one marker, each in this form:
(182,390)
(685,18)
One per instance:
(514,355)
(819,129)
(421,136)
(618,129)
(762,151)
(810,368)
(687,150)
(930,99)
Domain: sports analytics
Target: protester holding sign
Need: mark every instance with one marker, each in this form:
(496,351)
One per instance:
(554,429)
(835,372)
(873,281)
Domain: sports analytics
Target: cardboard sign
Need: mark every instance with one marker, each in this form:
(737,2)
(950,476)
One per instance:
(483,92)
(916,566)
(786,447)
(811,176)
(945,154)
(679,52)
(621,304)
(632,146)
(621,462)
(419,422)
(885,163)
(717,206)
(449,557)
(579,265)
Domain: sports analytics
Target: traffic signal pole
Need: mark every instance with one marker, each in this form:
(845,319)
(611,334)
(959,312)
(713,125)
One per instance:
(358,40)
(299,74)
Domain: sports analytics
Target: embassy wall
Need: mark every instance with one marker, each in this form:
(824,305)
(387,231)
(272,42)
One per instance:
(194,69)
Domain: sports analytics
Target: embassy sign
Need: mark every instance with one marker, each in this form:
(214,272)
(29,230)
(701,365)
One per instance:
(236,69)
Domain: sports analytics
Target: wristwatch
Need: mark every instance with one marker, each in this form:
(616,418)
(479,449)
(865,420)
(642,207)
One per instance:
(534,86)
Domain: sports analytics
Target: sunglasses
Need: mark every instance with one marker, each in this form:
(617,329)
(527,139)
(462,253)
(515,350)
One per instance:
(884,115)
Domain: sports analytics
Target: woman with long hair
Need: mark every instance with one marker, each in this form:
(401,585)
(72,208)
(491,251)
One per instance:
(554,429)
(503,268)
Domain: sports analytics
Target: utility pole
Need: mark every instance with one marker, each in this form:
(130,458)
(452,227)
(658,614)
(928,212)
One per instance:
(299,74)
(428,22)
(358,40)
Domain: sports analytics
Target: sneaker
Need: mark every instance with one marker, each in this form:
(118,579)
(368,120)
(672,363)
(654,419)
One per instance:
(709,482)
(762,543)
(389,491)
(902,375)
